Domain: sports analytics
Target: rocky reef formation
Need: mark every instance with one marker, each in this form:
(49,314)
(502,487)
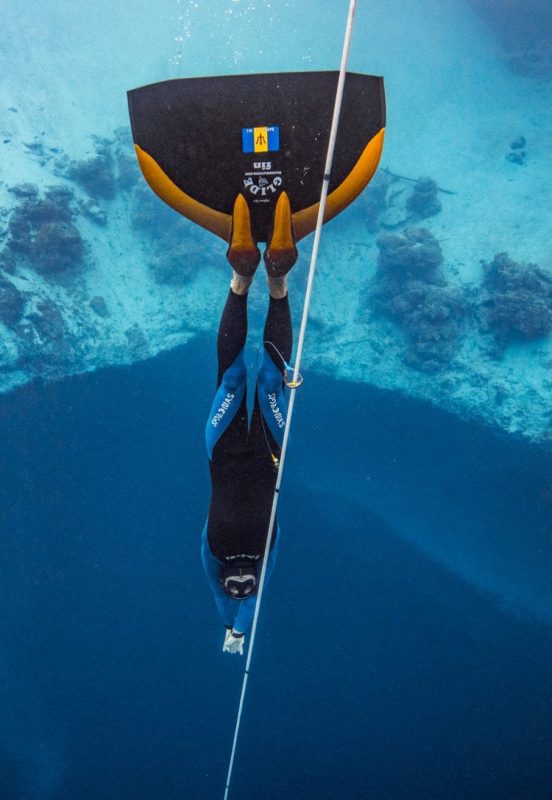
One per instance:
(176,257)
(512,304)
(393,201)
(112,167)
(424,201)
(50,319)
(96,270)
(517,153)
(411,290)
(374,200)
(516,300)
(92,263)
(99,306)
(12,303)
(41,231)
(177,265)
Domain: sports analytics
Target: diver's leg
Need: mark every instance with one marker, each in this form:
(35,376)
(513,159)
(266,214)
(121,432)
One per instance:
(277,286)
(270,400)
(277,327)
(232,332)
(227,424)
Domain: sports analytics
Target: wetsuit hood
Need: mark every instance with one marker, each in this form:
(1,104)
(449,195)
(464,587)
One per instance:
(238,578)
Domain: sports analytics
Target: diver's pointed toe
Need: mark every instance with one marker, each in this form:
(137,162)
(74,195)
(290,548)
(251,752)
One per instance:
(243,253)
(281,253)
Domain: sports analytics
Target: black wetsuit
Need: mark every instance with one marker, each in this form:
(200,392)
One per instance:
(243,474)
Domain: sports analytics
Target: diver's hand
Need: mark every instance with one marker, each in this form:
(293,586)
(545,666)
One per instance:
(233,642)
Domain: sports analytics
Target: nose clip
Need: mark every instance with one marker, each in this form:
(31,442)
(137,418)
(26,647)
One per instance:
(281,253)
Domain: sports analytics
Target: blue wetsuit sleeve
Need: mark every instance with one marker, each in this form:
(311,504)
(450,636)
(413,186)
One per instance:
(212,566)
(244,617)
(270,390)
(246,608)
(228,399)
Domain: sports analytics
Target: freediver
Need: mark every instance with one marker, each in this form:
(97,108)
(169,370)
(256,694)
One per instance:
(206,178)
(243,455)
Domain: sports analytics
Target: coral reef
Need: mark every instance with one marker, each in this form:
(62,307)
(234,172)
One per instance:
(178,265)
(7,261)
(179,253)
(516,154)
(63,320)
(411,290)
(57,247)
(423,202)
(414,253)
(516,301)
(96,175)
(148,214)
(374,200)
(12,303)
(137,341)
(387,205)
(48,321)
(519,143)
(43,345)
(41,231)
(99,306)
(111,168)
(24,190)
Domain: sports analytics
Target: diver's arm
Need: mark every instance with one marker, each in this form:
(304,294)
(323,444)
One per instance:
(212,566)
(246,608)
(244,617)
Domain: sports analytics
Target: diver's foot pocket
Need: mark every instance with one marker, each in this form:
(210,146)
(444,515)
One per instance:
(281,253)
(243,253)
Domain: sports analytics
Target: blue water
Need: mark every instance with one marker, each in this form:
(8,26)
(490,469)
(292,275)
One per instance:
(405,642)
(378,672)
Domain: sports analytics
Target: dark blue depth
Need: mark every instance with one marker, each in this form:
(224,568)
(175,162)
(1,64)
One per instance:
(380,673)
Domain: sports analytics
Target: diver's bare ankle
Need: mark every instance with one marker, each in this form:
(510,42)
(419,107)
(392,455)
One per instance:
(277,286)
(240,284)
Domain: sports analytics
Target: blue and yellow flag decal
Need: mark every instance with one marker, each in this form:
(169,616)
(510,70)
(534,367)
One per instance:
(263,139)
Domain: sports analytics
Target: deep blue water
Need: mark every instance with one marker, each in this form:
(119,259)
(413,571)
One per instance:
(379,672)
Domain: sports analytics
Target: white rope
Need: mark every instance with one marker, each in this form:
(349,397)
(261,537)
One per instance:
(296,371)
